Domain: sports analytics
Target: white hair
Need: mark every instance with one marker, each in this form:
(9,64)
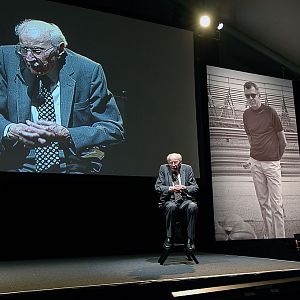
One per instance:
(56,36)
(178,156)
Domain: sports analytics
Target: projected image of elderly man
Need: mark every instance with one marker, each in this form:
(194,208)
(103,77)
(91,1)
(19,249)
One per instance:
(267,145)
(56,112)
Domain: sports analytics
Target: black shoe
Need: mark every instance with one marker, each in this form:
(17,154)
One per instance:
(168,243)
(190,245)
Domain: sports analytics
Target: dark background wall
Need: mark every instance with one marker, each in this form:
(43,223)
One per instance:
(57,215)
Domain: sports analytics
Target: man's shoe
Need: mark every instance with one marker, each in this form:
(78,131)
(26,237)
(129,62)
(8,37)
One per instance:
(168,243)
(190,244)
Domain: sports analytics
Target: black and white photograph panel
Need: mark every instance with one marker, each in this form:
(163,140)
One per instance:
(254,155)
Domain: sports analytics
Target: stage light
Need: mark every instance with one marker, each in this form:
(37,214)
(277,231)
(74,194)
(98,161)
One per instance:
(208,22)
(209,26)
(220,26)
(204,21)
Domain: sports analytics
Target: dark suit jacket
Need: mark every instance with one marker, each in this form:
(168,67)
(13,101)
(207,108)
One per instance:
(88,109)
(164,181)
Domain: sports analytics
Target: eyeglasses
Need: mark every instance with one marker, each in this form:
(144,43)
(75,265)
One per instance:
(252,96)
(22,50)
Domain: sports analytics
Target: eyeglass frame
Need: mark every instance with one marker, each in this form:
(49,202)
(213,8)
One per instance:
(43,51)
(252,95)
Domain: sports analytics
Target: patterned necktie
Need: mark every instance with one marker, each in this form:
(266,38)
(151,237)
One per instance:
(48,156)
(177,195)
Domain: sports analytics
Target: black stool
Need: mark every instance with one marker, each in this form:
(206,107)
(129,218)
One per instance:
(178,243)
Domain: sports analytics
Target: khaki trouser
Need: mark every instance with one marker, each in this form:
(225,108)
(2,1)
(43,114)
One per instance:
(267,181)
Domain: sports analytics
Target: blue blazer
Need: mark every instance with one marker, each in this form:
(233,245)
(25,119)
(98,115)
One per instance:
(88,109)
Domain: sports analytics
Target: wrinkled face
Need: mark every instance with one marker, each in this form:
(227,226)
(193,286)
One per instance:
(174,162)
(37,51)
(253,98)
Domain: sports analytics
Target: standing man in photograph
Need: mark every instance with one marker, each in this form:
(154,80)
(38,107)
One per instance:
(267,145)
(56,112)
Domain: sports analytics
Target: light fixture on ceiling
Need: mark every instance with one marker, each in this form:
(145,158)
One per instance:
(208,22)
(220,26)
(204,21)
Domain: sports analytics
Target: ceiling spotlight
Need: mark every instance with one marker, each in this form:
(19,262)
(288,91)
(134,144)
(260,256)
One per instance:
(204,21)
(220,26)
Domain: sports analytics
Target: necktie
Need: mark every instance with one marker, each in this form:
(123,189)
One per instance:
(48,156)
(177,195)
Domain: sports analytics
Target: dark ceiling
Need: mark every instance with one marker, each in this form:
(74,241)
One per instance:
(272,25)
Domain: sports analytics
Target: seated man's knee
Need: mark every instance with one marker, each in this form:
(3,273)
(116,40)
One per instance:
(170,206)
(193,207)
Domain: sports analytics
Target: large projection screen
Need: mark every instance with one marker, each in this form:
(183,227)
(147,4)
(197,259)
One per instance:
(149,69)
(237,214)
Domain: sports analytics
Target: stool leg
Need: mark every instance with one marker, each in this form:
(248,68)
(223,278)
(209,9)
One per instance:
(187,253)
(191,255)
(164,256)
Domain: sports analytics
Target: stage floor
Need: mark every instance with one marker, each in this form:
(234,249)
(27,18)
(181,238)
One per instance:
(48,274)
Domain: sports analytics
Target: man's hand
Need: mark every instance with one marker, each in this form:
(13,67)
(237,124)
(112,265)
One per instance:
(247,164)
(50,131)
(181,187)
(26,135)
(178,188)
